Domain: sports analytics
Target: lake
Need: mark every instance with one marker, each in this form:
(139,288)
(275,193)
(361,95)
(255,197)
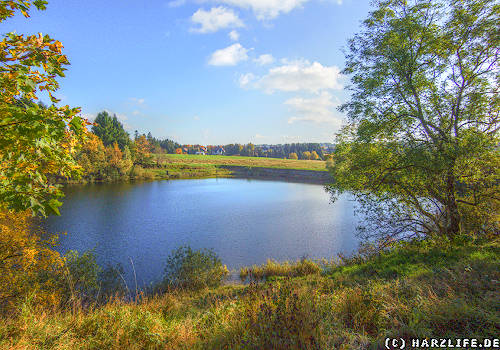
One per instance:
(244,221)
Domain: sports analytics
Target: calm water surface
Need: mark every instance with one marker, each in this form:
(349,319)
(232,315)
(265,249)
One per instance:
(244,221)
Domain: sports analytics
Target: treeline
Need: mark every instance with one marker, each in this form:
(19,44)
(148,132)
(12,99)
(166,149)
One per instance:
(312,151)
(109,152)
(308,151)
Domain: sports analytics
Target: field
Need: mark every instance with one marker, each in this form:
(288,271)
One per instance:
(199,160)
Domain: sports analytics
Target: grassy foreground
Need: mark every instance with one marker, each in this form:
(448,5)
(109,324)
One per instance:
(415,290)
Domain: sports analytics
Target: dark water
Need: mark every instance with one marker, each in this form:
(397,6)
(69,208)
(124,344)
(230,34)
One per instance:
(244,221)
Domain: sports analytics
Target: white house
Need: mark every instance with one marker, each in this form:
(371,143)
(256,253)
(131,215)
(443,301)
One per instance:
(220,151)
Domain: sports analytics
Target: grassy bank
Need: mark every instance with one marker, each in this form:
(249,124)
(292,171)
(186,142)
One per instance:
(414,290)
(185,171)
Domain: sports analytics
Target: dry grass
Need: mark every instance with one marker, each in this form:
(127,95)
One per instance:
(411,291)
(275,269)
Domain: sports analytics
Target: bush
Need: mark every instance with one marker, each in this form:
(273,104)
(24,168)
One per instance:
(80,278)
(137,171)
(84,281)
(28,265)
(194,269)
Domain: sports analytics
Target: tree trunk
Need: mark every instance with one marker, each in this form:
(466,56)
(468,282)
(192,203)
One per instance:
(453,224)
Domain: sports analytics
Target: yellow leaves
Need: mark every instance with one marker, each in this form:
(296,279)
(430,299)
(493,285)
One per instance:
(56,47)
(24,258)
(19,53)
(114,155)
(39,40)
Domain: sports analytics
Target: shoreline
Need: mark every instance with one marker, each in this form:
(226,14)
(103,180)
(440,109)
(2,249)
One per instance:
(290,175)
(222,171)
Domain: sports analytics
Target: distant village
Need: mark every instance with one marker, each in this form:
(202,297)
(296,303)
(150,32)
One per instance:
(310,151)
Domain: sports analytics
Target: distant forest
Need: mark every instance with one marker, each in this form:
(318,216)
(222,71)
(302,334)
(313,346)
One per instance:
(110,130)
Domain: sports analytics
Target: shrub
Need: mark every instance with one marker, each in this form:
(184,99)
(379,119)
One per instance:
(194,269)
(137,171)
(28,265)
(84,281)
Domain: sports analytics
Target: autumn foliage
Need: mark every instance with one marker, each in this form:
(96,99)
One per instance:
(35,141)
(29,267)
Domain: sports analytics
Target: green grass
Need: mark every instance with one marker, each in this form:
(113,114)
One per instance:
(414,290)
(197,160)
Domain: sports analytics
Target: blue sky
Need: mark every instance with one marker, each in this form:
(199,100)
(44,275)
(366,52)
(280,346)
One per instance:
(206,71)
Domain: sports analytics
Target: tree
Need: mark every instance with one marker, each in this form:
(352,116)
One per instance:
(114,160)
(421,147)
(35,141)
(314,156)
(92,158)
(143,152)
(127,161)
(293,156)
(110,130)
(306,155)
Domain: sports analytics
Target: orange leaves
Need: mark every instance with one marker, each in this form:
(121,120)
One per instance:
(56,47)
(114,156)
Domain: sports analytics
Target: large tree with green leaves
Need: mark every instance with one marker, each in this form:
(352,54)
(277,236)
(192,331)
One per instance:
(36,141)
(110,130)
(420,150)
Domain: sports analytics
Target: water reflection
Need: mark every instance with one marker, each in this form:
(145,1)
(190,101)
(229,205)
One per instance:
(244,221)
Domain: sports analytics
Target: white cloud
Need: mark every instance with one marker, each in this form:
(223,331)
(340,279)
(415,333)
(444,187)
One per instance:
(263,9)
(300,76)
(120,117)
(264,59)
(290,138)
(196,117)
(89,116)
(317,110)
(234,35)
(215,19)
(266,9)
(259,136)
(230,56)
(246,79)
